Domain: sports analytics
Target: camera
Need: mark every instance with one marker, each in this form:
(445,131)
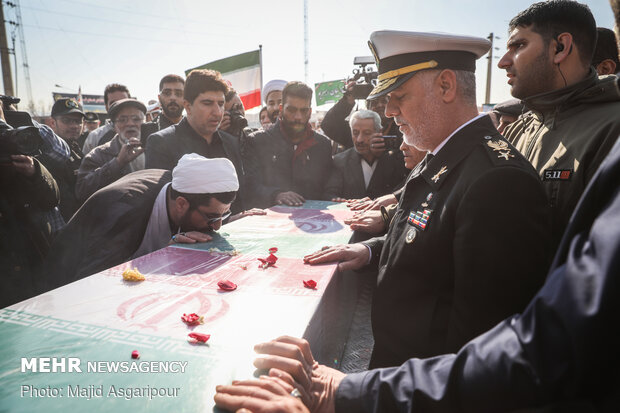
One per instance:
(237,121)
(364,76)
(25,139)
(392,142)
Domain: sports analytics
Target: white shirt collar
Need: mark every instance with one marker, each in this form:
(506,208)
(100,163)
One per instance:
(443,143)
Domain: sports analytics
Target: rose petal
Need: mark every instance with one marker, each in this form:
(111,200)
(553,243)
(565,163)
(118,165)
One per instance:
(227,285)
(192,319)
(199,337)
(135,354)
(271,259)
(273,250)
(310,284)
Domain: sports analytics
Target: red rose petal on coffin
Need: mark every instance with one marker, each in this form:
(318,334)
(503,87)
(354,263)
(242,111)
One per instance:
(271,259)
(135,354)
(273,250)
(227,285)
(192,319)
(310,284)
(199,337)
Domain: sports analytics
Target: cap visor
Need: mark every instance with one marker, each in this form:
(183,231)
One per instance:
(386,86)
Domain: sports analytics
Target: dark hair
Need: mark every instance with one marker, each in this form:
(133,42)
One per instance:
(606,47)
(297,89)
(170,79)
(196,200)
(114,87)
(263,109)
(203,80)
(554,17)
(230,95)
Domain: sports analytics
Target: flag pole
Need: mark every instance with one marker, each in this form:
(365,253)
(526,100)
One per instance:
(260,63)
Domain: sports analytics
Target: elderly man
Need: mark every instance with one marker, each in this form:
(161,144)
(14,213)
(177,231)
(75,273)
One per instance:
(451,264)
(363,171)
(140,213)
(105,133)
(292,161)
(122,155)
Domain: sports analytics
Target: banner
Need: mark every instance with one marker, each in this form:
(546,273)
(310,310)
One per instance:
(243,71)
(328,92)
(90,103)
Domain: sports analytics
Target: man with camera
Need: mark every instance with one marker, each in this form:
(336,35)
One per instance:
(171,100)
(28,193)
(364,171)
(204,100)
(291,161)
(335,125)
(119,157)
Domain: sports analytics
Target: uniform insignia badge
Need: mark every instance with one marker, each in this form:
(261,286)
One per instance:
(424,204)
(501,147)
(442,171)
(411,234)
(419,218)
(557,174)
(429,196)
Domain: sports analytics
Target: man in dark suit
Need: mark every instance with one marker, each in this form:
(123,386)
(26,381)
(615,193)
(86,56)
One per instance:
(204,99)
(363,171)
(452,263)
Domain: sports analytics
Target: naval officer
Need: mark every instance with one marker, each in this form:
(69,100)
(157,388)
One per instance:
(470,242)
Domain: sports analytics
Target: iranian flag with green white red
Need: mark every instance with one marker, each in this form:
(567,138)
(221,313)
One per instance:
(243,71)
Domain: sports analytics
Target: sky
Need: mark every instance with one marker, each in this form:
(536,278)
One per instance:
(91,43)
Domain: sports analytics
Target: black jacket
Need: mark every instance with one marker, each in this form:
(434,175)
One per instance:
(152,127)
(107,230)
(166,147)
(477,222)
(561,352)
(347,179)
(276,170)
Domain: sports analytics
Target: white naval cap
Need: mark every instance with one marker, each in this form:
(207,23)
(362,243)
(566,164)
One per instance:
(272,86)
(399,55)
(195,174)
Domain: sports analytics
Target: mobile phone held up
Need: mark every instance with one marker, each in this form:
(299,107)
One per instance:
(392,142)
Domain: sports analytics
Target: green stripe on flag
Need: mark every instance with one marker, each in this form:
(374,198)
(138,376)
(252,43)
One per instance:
(232,63)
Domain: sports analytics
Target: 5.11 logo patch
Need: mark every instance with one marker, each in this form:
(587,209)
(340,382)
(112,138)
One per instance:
(557,174)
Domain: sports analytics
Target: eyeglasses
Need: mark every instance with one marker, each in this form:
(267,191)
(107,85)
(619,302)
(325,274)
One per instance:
(71,121)
(168,92)
(124,119)
(213,220)
(293,110)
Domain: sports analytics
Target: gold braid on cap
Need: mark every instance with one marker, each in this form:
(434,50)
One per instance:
(407,69)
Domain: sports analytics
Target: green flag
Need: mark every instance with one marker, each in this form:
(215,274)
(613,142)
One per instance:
(328,92)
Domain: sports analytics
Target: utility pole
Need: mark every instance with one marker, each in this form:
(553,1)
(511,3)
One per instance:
(487,98)
(7,78)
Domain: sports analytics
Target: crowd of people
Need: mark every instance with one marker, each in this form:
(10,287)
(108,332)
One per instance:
(466,216)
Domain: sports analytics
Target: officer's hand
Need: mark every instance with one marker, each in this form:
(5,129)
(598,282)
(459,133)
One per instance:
(370,222)
(290,359)
(225,123)
(385,200)
(23,164)
(289,198)
(349,256)
(130,151)
(266,395)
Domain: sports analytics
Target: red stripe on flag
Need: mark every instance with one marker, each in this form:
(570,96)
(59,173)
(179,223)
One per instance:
(251,99)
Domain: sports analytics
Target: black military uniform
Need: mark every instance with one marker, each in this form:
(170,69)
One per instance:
(468,246)
(470,241)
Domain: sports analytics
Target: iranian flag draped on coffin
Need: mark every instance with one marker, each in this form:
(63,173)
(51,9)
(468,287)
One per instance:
(243,71)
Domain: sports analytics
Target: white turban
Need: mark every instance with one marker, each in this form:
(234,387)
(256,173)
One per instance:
(195,174)
(272,86)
